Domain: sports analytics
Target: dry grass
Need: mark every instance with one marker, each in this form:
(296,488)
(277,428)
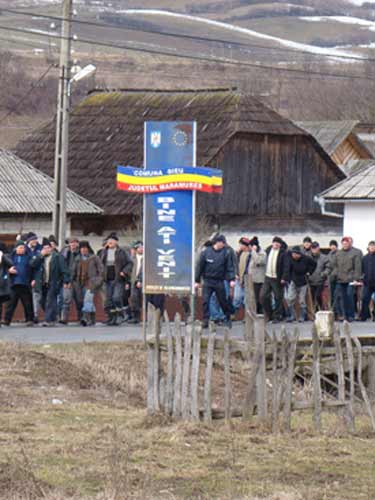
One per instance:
(99,443)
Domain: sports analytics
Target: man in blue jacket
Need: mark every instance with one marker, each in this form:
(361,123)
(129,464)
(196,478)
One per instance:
(21,279)
(215,266)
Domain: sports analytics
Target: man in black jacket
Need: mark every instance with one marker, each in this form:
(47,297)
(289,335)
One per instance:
(215,266)
(117,272)
(275,280)
(368,270)
(300,267)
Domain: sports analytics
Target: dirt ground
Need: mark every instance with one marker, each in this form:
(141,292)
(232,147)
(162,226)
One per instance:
(73,424)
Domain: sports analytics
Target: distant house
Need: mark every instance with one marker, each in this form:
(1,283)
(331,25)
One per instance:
(27,200)
(272,168)
(340,141)
(357,195)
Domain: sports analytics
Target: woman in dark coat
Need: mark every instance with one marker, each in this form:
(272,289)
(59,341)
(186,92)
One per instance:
(5,265)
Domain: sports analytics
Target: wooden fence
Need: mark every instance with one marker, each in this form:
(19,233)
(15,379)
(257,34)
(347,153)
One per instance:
(181,365)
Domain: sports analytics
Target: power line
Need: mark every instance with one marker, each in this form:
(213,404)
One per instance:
(188,37)
(205,58)
(25,96)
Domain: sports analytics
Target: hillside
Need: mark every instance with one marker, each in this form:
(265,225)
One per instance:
(246,44)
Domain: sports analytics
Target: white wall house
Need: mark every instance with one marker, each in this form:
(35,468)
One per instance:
(357,194)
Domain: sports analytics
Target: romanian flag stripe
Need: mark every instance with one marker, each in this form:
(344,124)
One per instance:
(152,173)
(152,181)
(168,186)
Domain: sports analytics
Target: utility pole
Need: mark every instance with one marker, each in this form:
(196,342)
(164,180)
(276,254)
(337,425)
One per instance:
(62,127)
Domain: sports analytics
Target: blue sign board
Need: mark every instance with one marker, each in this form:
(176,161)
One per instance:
(169,217)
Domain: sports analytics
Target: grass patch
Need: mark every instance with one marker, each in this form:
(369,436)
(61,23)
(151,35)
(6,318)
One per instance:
(100,443)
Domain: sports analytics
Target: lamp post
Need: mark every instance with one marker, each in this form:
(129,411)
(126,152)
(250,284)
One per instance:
(62,122)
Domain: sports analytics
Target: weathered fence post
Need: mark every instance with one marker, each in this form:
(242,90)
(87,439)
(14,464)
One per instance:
(287,409)
(284,369)
(261,383)
(316,380)
(169,389)
(339,364)
(254,359)
(157,356)
(360,382)
(371,376)
(228,389)
(208,374)
(178,368)
(150,362)
(185,407)
(349,350)
(275,382)
(197,333)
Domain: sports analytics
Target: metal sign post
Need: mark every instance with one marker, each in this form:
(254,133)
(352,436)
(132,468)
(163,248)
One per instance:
(169,182)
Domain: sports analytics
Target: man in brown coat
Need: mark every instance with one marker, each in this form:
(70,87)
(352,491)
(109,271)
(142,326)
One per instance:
(87,280)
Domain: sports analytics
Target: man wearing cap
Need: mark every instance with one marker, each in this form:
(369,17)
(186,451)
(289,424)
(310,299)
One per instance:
(136,283)
(300,267)
(20,280)
(242,257)
(275,279)
(87,278)
(72,293)
(306,245)
(52,275)
(117,267)
(319,277)
(215,266)
(256,271)
(347,270)
(34,248)
(368,271)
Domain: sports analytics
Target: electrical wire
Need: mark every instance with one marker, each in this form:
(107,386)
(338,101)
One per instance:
(26,95)
(186,36)
(205,58)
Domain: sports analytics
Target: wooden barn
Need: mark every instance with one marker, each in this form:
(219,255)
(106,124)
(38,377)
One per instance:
(340,140)
(272,168)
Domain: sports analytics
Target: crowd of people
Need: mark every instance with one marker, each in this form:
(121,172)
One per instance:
(288,283)
(42,277)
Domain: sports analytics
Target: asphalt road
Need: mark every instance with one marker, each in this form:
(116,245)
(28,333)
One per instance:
(130,333)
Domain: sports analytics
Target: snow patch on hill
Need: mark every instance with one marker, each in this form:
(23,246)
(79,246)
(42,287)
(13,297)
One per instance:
(255,34)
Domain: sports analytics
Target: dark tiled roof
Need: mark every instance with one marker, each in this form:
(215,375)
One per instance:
(107,129)
(24,189)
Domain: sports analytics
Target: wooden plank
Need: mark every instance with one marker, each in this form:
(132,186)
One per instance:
(284,369)
(317,388)
(195,371)
(339,364)
(291,355)
(185,407)
(157,354)
(178,368)
(150,362)
(350,418)
(228,388)
(275,383)
(360,382)
(169,388)
(261,382)
(208,374)
(254,365)
(371,376)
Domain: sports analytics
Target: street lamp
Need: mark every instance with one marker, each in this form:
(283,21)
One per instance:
(62,123)
(80,74)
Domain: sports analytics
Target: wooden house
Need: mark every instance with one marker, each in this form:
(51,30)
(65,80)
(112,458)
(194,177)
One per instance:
(340,140)
(357,196)
(272,168)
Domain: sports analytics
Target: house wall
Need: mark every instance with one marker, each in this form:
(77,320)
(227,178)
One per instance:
(359,220)
(270,176)
(14,225)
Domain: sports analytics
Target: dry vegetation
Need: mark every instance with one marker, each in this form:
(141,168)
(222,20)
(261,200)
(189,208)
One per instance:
(98,443)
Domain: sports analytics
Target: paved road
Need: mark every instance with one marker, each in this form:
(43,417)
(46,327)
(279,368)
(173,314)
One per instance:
(129,333)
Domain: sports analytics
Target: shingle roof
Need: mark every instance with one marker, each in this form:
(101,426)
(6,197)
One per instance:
(24,189)
(359,186)
(107,129)
(329,134)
